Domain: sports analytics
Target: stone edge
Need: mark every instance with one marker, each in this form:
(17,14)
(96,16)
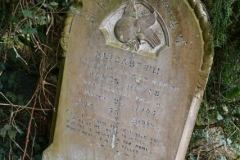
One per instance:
(204,72)
(67,28)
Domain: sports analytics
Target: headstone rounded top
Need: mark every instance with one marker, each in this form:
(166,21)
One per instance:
(134,76)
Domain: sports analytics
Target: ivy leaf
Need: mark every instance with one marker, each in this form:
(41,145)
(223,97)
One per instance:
(233,93)
(2,66)
(20,97)
(11,81)
(192,156)
(12,133)
(14,98)
(1,86)
(13,75)
(219,117)
(32,30)
(7,127)
(229,141)
(74,10)
(25,31)
(47,6)
(53,3)
(222,157)
(41,20)
(3,132)
(27,13)
(28,29)
(11,95)
(37,147)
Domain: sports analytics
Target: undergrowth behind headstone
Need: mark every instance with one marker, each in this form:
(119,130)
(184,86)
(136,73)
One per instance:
(29,66)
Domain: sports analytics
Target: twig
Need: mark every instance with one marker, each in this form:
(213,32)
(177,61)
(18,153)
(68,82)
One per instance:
(34,137)
(19,146)
(29,129)
(51,24)
(23,107)
(235,126)
(208,126)
(6,99)
(18,56)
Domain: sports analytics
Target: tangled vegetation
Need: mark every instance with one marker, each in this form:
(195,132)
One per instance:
(30,55)
(29,60)
(217,130)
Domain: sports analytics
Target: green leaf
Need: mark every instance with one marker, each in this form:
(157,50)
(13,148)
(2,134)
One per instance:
(229,141)
(21,103)
(2,66)
(3,132)
(11,81)
(233,93)
(14,98)
(29,30)
(12,133)
(74,10)
(192,156)
(37,147)
(32,30)
(20,97)
(41,20)
(9,94)
(27,13)
(222,141)
(53,3)
(7,127)
(222,157)
(219,117)
(47,6)
(25,31)
(26,25)
(1,86)
(13,75)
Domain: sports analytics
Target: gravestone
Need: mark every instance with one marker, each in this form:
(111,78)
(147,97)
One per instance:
(134,76)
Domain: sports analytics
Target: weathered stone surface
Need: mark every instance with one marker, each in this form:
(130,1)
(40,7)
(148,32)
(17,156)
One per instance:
(132,81)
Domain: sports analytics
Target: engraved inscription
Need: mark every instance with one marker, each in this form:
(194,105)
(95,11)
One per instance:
(101,131)
(102,4)
(138,88)
(146,111)
(105,98)
(104,77)
(128,62)
(111,90)
(180,40)
(92,94)
(173,20)
(91,18)
(84,103)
